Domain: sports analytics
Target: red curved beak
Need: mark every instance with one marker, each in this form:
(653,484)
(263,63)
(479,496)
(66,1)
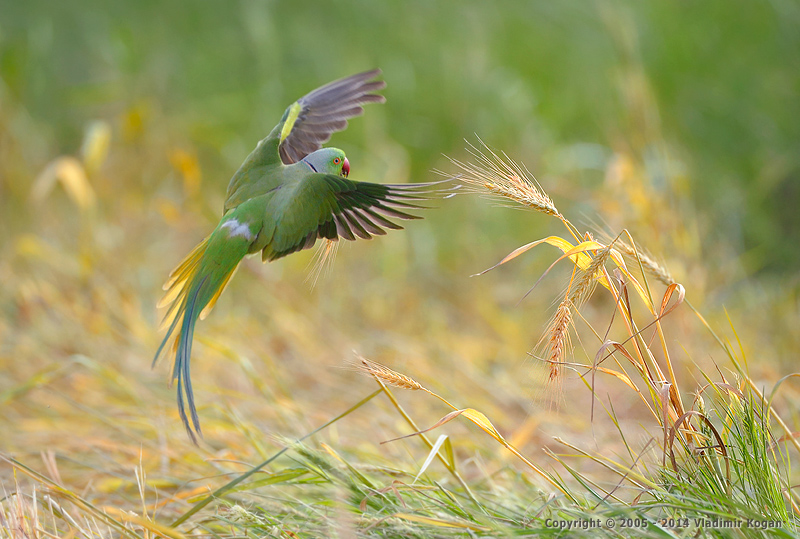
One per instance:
(346,168)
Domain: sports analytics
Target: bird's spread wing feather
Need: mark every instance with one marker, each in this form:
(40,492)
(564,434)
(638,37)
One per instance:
(305,126)
(332,207)
(309,122)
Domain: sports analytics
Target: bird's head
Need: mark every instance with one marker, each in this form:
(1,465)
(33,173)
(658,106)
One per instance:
(329,161)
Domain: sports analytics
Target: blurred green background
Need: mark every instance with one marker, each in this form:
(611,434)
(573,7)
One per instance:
(703,94)
(122,122)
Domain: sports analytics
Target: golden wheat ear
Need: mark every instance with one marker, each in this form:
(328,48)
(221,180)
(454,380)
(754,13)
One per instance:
(502,178)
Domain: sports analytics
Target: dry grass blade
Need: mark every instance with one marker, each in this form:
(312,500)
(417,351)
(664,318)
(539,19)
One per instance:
(90,510)
(19,517)
(144,523)
(579,254)
(385,376)
(475,416)
(673,431)
(231,484)
(602,354)
(666,308)
(622,377)
(514,254)
(394,488)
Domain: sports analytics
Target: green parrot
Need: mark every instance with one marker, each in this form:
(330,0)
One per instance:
(288,193)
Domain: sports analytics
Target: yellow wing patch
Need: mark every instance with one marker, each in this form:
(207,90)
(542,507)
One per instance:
(291,118)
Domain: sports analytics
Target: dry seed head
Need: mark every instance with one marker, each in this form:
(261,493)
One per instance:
(559,335)
(558,330)
(504,178)
(588,279)
(701,405)
(657,270)
(650,265)
(387,375)
(556,341)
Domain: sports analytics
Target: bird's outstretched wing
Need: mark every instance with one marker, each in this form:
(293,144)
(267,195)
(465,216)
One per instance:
(304,127)
(332,207)
(309,122)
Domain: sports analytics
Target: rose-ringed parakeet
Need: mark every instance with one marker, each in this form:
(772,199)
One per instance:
(288,193)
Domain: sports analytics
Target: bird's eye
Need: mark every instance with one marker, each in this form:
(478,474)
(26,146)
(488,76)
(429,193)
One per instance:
(337,160)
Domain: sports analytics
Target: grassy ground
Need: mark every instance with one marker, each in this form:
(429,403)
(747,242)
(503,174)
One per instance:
(608,392)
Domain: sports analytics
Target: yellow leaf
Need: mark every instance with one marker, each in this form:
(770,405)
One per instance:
(641,291)
(620,376)
(581,259)
(473,415)
(555,241)
(483,422)
(514,254)
(578,254)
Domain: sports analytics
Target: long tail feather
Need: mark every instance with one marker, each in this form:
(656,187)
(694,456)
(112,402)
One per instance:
(181,369)
(191,291)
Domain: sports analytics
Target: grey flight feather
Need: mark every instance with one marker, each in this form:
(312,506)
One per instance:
(326,110)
